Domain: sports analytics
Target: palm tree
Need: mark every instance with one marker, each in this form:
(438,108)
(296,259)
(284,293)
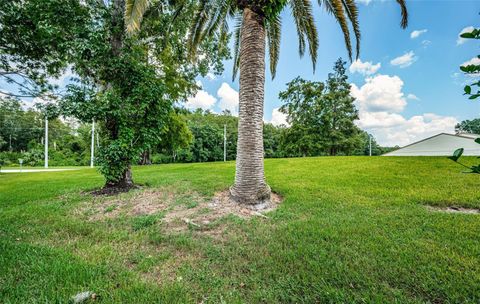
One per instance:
(257,24)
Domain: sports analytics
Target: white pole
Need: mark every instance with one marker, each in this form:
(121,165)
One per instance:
(370,143)
(92,152)
(224,143)
(46,142)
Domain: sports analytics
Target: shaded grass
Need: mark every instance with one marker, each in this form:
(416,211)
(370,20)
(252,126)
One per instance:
(351,229)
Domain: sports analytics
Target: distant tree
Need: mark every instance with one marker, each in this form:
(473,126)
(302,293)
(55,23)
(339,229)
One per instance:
(468,126)
(18,127)
(340,113)
(321,116)
(303,105)
(174,137)
(272,140)
(364,147)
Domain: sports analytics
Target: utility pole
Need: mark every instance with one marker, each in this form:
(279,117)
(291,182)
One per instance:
(46,141)
(92,151)
(225,143)
(370,143)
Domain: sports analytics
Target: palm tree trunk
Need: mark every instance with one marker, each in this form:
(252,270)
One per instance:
(250,186)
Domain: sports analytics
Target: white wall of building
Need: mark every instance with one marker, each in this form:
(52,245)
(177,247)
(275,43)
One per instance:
(440,145)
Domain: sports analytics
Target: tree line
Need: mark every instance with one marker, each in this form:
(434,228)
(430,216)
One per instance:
(320,118)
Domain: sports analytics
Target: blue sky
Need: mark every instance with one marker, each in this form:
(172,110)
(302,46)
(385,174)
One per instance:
(407,85)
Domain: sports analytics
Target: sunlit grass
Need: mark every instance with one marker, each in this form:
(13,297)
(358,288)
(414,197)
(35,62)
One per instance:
(350,229)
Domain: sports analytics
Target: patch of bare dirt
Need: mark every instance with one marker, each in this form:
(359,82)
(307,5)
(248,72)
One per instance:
(146,202)
(207,216)
(454,210)
(181,210)
(111,191)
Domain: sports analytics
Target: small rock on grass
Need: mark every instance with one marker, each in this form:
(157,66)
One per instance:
(83,297)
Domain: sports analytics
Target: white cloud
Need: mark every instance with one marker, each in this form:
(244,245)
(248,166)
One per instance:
(373,120)
(380,102)
(201,100)
(210,76)
(461,40)
(412,97)
(426,43)
(228,98)
(417,33)
(392,129)
(64,79)
(367,2)
(473,61)
(380,93)
(278,118)
(405,60)
(365,68)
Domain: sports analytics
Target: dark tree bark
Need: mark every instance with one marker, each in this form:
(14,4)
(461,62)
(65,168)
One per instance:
(145,158)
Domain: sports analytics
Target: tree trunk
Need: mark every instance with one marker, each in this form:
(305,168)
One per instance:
(116,43)
(250,186)
(145,158)
(125,182)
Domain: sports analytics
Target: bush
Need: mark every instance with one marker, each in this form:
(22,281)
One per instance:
(10,158)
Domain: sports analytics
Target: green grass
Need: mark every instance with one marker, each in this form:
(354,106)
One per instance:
(351,229)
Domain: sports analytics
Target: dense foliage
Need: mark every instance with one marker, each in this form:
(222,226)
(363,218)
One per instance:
(36,42)
(468,126)
(22,132)
(321,116)
(129,84)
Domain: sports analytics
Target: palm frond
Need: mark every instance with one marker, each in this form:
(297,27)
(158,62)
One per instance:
(274,28)
(305,23)
(352,13)
(403,6)
(336,8)
(219,17)
(210,19)
(199,21)
(236,46)
(134,11)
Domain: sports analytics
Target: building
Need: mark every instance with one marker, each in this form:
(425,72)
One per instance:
(442,144)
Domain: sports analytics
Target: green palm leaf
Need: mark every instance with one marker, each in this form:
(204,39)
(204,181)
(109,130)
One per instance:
(134,11)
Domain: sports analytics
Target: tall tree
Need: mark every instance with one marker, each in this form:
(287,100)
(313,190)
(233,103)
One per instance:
(259,22)
(305,110)
(340,129)
(129,84)
(321,116)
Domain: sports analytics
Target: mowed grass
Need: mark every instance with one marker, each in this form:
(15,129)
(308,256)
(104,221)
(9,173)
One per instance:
(350,230)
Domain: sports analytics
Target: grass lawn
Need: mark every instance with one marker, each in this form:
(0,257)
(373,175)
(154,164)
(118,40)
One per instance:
(350,229)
